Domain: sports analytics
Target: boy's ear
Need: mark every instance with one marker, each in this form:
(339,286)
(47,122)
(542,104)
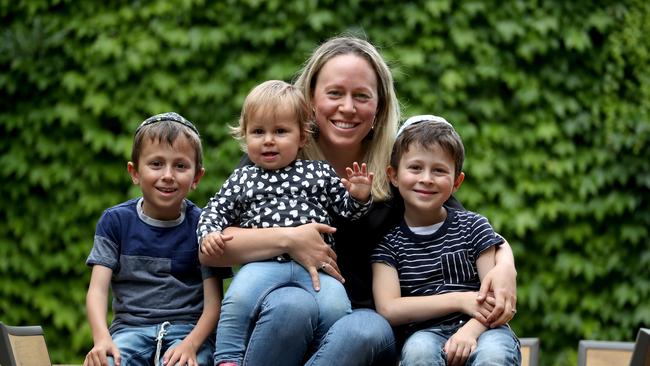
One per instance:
(459,181)
(133,172)
(197,178)
(392,175)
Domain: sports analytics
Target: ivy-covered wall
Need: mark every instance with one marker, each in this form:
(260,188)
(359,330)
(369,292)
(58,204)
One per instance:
(552,99)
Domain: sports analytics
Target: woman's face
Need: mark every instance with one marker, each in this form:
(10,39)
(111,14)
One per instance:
(345,102)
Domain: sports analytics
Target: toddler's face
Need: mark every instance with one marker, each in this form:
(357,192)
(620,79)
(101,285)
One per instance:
(273,139)
(166,173)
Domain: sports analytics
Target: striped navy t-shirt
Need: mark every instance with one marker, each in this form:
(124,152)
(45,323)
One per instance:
(442,262)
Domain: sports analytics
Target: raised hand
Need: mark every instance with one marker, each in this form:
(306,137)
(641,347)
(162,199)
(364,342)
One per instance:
(358,182)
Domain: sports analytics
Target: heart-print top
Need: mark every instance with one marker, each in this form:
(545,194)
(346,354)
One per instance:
(303,192)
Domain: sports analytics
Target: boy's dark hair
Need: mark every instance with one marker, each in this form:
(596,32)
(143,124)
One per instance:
(427,134)
(166,127)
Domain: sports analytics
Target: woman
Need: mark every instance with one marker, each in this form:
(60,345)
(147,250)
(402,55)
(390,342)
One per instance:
(350,89)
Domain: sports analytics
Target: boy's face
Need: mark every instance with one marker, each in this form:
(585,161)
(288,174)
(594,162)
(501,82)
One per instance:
(425,180)
(165,175)
(273,139)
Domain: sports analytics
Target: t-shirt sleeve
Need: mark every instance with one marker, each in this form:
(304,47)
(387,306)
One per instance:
(106,243)
(385,252)
(219,272)
(484,236)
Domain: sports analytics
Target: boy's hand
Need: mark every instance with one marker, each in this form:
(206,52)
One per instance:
(359,182)
(460,345)
(471,306)
(487,306)
(183,354)
(98,354)
(214,243)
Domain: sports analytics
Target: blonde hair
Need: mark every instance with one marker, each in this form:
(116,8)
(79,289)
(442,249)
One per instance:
(269,97)
(377,149)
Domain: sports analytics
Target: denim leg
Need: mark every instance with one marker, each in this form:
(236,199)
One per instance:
(497,346)
(176,333)
(241,304)
(332,300)
(362,337)
(137,345)
(425,347)
(284,329)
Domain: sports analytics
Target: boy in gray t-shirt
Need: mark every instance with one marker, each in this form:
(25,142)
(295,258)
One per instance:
(165,304)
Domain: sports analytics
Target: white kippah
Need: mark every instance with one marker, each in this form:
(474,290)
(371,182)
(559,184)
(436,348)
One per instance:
(421,118)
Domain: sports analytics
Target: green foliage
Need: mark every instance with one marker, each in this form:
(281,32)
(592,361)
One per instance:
(552,100)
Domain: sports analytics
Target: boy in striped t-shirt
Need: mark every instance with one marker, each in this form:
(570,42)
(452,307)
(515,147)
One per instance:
(427,271)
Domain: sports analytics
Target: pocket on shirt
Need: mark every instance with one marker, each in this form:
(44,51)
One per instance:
(184,262)
(457,268)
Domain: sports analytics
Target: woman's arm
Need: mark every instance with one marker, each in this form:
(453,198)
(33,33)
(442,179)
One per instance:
(303,243)
(501,281)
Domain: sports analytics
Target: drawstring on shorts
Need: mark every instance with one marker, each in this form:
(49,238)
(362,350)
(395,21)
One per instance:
(161,333)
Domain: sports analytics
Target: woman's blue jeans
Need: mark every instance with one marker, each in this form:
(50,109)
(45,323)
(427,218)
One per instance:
(247,293)
(498,347)
(137,345)
(284,334)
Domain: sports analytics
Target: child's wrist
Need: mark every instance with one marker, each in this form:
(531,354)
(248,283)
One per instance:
(466,302)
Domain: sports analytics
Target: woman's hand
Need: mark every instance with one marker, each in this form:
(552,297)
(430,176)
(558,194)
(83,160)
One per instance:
(499,289)
(308,248)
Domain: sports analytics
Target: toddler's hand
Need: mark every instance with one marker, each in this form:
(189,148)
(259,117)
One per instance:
(358,182)
(214,243)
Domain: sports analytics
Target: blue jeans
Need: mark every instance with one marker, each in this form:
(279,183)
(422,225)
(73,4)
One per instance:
(284,335)
(137,345)
(498,346)
(247,292)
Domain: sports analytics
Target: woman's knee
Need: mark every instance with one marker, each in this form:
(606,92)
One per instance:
(290,303)
(366,327)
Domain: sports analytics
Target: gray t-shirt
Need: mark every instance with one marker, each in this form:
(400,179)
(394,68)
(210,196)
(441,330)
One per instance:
(157,276)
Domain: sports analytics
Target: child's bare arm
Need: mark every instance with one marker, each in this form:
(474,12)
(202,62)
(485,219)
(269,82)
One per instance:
(185,352)
(358,182)
(400,310)
(96,308)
